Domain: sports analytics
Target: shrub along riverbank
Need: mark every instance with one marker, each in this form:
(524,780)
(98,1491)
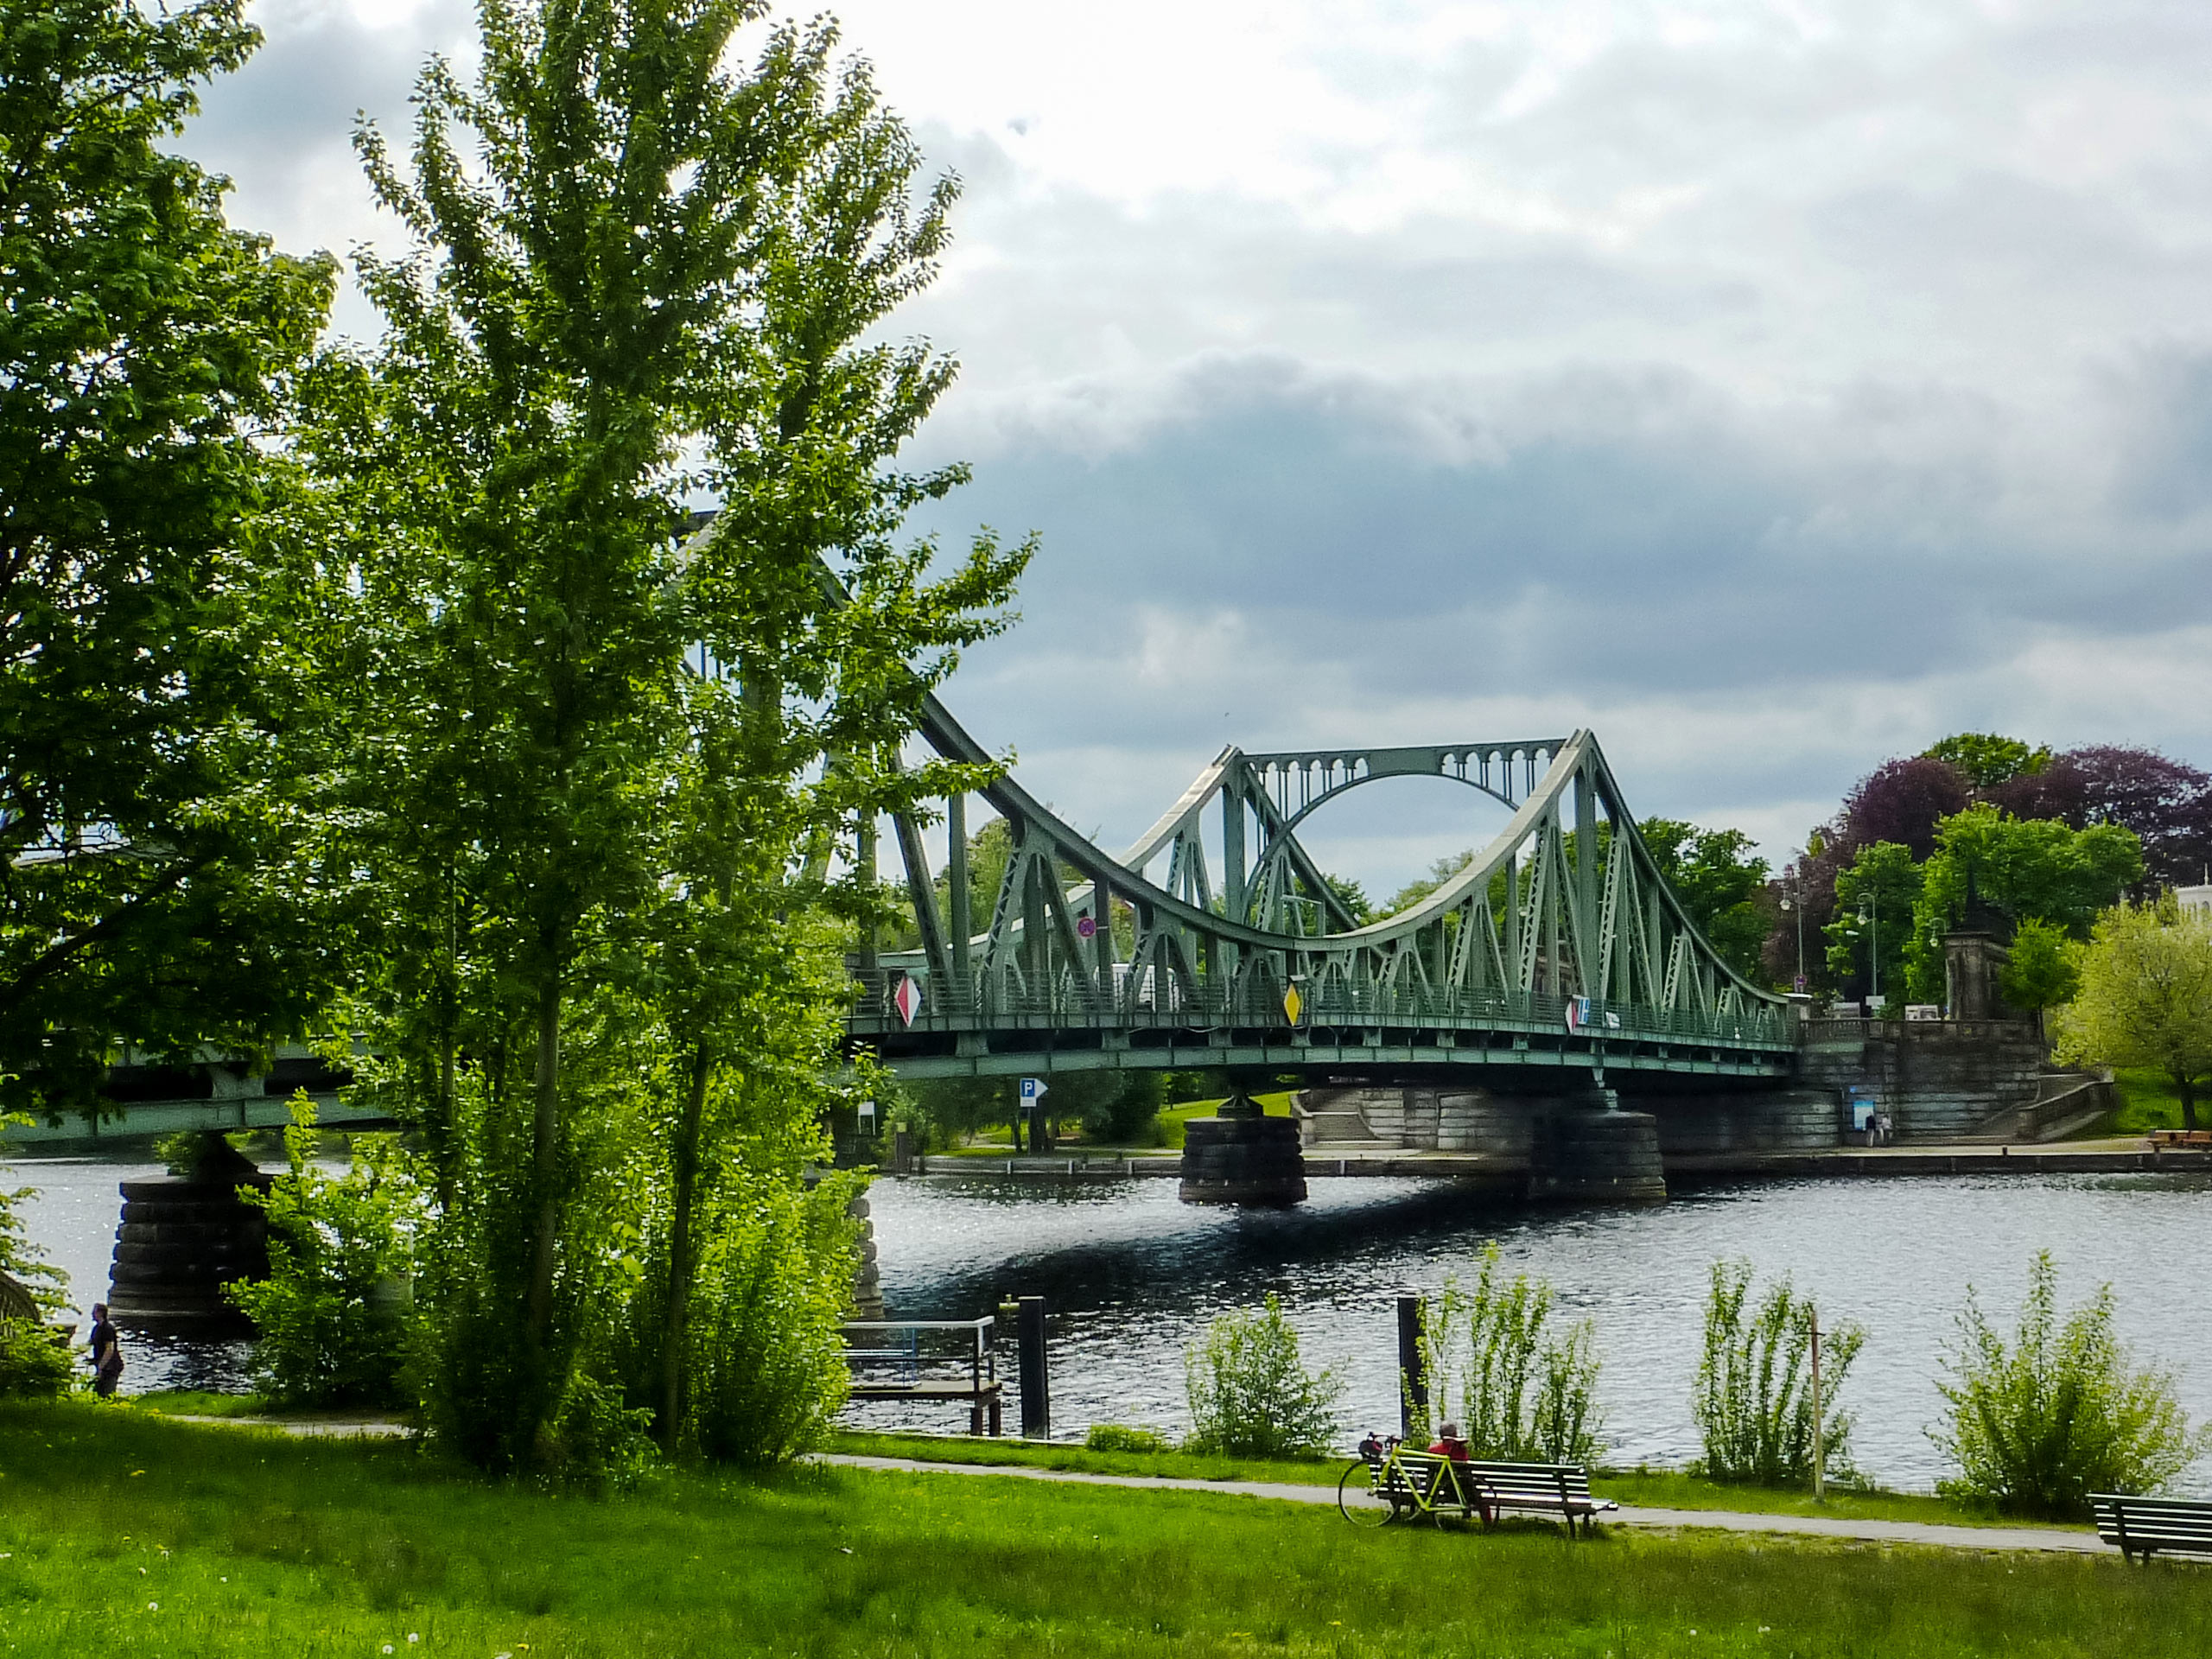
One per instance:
(122,1533)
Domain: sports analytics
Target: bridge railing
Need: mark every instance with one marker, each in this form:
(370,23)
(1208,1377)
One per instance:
(1153,999)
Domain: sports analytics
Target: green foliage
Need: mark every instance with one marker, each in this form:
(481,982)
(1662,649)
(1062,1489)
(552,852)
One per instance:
(1753,1404)
(2042,971)
(157,756)
(2022,866)
(1250,1394)
(33,1364)
(2145,998)
(334,1315)
(2036,1427)
(1526,1390)
(1883,880)
(775,1283)
(1419,888)
(1985,759)
(1353,897)
(607,769)
(1721,883)
(1119,1437)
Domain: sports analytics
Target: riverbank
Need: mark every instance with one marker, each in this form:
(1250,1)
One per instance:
(2125,1155)
(120,1532)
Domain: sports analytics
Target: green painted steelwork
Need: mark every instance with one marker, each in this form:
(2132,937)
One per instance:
(1561,946)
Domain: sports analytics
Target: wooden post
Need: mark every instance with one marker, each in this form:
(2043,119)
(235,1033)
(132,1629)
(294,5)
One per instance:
(1413,1366)
(1036,1390)
(1819,1449)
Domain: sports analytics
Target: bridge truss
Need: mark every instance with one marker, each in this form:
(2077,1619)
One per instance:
(1559,945)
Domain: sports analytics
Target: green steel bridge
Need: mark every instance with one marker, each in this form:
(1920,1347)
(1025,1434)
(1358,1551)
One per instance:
(1561,946)
(1557,956)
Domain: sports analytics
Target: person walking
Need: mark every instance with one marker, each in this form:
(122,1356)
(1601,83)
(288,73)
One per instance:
(107,1353)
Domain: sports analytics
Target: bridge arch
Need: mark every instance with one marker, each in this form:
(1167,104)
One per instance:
(1560,943)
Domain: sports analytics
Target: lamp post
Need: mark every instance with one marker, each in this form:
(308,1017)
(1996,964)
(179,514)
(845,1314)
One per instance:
(1793,902)
(1870,913)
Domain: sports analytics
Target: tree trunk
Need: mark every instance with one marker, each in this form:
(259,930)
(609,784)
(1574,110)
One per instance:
(676,1313)
(2188,1087)
(545,1168)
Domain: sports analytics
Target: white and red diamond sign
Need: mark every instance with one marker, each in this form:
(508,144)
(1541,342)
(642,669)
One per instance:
(907,998)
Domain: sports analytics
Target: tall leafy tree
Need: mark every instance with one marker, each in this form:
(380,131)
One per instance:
(1986,760)
(1720,881)
(2019,868)
(598,745)
(157,807)
(1874,898)
(2146,998)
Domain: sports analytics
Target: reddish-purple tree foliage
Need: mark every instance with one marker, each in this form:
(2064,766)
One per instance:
(1901,801)
(2167,802)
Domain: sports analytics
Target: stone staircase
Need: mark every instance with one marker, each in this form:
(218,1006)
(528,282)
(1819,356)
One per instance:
(2065,1104)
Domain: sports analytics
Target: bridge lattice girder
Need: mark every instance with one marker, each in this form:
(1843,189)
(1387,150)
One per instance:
(1566,903)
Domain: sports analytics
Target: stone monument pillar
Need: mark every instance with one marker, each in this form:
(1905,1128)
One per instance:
(1972,958)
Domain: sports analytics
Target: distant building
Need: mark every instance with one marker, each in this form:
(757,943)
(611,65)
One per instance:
(2195,899)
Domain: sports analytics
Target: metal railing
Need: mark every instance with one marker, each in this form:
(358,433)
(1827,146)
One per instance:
(1252,1002)
(891,1360)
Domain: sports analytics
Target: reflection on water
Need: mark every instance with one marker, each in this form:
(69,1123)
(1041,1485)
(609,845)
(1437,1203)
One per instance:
(1131,1275)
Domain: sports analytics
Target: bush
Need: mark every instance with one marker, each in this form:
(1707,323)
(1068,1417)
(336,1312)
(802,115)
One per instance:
(33,1364)
(1250,1394)
(1526,1394)
(2037,1426)
(334,1314)
(1118,1437)
(1754,1401)
(768,1344)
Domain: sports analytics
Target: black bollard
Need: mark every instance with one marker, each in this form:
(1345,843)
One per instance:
(1413,1367)
(1036,1387)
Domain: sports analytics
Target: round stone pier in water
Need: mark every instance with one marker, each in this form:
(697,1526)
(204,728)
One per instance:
(1242,1157)
(182,1241)
(1596,1155)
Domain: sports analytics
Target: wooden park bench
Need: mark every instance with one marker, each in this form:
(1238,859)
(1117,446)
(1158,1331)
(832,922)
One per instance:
(2142,1525)
(2181,1137)
(1561,1489)
(1399,1483)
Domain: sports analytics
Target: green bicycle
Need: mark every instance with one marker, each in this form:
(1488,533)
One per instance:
(1391,1481)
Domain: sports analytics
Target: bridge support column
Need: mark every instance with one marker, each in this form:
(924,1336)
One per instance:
(1243,1157)
(1586,1148)
(181,1241)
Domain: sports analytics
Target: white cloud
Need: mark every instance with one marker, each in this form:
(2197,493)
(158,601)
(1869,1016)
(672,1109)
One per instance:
(1772,384)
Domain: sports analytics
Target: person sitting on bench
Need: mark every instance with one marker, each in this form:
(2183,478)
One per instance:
(1448,1445)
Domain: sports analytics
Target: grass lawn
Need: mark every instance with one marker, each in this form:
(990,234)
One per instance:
(123,1533)
(1649,1489)
(2147,1102)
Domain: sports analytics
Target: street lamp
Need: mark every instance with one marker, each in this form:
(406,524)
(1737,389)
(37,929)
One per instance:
(1793,901)
(1869,913)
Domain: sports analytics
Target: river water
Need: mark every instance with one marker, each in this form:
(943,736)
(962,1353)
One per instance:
(1131,1276)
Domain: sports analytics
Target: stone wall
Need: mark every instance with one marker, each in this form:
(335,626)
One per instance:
(1785,1120)
(1940,1080)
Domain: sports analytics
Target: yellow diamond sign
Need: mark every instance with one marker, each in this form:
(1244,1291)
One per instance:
(1291,1004)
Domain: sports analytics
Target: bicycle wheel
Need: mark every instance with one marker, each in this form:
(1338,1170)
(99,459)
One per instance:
(1359,1503)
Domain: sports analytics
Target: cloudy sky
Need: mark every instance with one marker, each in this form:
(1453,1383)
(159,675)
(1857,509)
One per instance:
(1772,386)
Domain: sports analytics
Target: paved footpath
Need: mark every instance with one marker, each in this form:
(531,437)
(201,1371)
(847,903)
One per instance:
(1884,1532)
